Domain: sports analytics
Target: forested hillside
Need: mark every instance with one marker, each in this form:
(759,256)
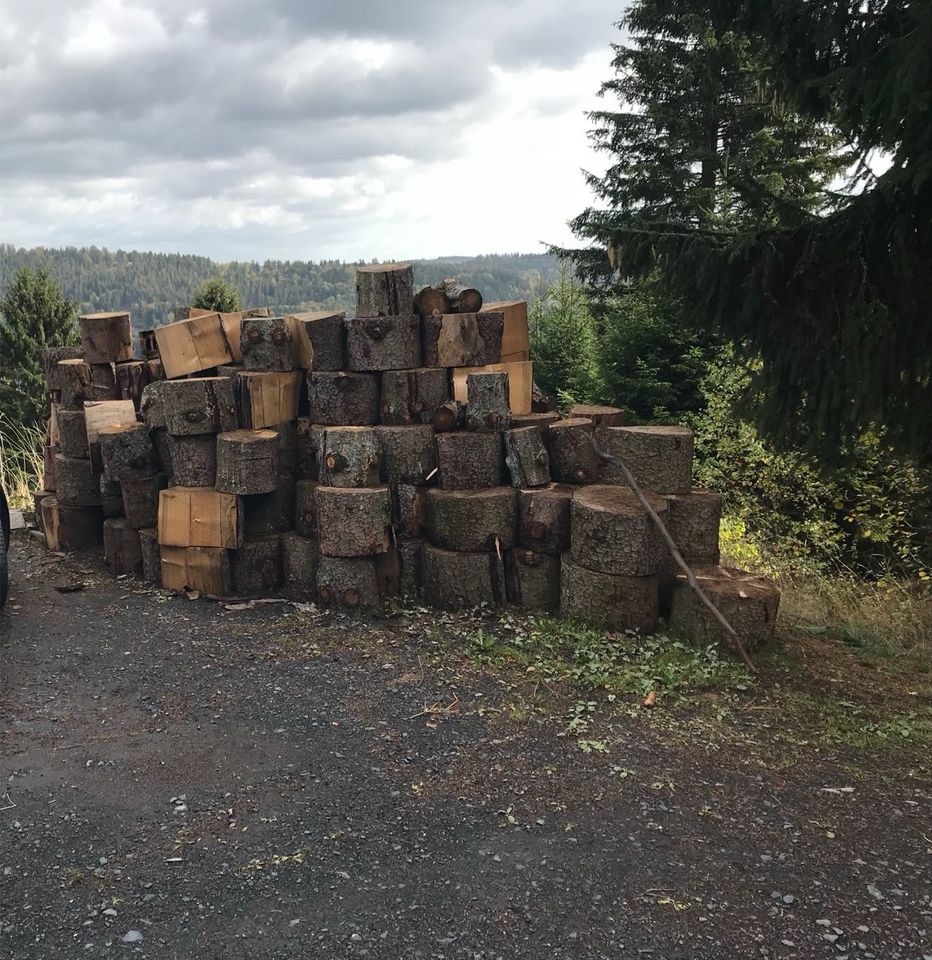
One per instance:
(151,285)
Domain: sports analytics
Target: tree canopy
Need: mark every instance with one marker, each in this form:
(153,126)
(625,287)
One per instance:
(217,294)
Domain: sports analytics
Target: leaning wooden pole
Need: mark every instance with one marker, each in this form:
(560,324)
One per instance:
(681,563)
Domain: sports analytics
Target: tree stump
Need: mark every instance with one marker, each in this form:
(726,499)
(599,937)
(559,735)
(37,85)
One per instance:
(300,557)
(432,302)
(152,404)
(487,407)
(526,457)
(343,398)
(383,342)
(409,559)
(205,570)
(106,337)
(151,556)
(122,550)
(469,460)
(599,415)
(544,518)
(606,600)
(69,528)
(111,498)
(73,380)
(748,602)
(247,461)
(349,584)
(461,581)
(408,454)
(127,452)
(573,454)
(327,338)
(193,459)
(103,382)
(540,420)
(257,567)
(462,339)
(693,520)
(462,299)
(471,520)
(72,433)
(268,513)
(131,378)
(385,289)
(198,405)
(49,474)
(266,344)
(310,439)
(412,396)
(352,521)
(140,500)
(350,457)
(448,416)
(533,579)
(407,505)
(306,508)
(659,458)
(76,483)
(612,532)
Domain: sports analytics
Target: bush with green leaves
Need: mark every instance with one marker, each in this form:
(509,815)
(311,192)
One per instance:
(217,294)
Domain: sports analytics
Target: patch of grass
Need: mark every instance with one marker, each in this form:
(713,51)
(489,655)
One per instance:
(21,462)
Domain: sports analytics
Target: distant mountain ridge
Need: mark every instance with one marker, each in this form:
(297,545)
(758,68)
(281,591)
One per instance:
(152,285)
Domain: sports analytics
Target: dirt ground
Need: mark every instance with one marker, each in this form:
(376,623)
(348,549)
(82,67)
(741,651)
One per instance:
(185,780)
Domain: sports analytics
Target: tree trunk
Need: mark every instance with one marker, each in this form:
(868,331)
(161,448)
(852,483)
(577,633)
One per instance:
(659,458)
(343,398)
(73,379)
(199,405)
(193,459)
(77,485)
(310,439)
(127,452)
(306,508)
(544,518)
(462,339)
(267,399)
(533,579)
(202,569)
(103,382)
(327,338)
(573,454)
(300,557)
(72,433)
(141,500)
(111,498)
(122,550)
(386,290)
(412,396)
(350,457)
(471,520)
(151,556)
(606,600)
(132,378)
(267,345)
(352,521)
(268,513)
(487,407)
(432,302)
(383,342)
(599,415)
(407,502)
(469,460)
(526,457)
(257,567)
(106,337)
(461,581)
(68,528)
(408,454)
(462,299)
(247,461)
(450,415)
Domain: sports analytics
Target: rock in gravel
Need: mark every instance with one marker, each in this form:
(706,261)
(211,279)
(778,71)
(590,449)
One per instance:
(132,936)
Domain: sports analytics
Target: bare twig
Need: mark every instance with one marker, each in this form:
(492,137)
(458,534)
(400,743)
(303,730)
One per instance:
(436,710)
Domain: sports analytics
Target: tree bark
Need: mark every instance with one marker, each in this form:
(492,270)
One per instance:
(431,302)
(70,528)
(533,579)
(599,415)
(151,556)
(352,521)
(141,500)
(111,498)
(152,407)
(38,497)
(526,457)
(386,290)
(408,454)
(310,439)
(127,452)
(51,356)
(257,567)
(73,379)
(462,299)
(410,575)
(469,460)
(350,457)
(300,557)
(343,398)
(472,520)
(693,521)
(193,459)
(659,458)
(72,433)
(49,473)
(76,483)
(106,337)
(540,420)
(327,338)
(606,600)
(487,407)
(199,405)
(103,382)
(461,581)
(247,461)
(122,550)
(544,518)
(573,454)
(267,399)
(349,584)
(383,342)
(407,503)
(132,378)
(306,508)
(268,513)
(450,415)
(462,339)
(160,440)
(267,345)
(412,396)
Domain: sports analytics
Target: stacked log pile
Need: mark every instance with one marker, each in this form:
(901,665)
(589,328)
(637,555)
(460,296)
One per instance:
(347,460)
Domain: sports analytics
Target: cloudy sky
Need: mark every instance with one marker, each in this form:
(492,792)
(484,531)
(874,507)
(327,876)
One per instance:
(298,129)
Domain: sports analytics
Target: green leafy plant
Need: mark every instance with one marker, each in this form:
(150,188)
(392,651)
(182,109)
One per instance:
(217,294)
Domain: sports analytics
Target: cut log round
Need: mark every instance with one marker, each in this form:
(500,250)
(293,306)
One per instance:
(469,460)
(306,508)
(407,503)
(385,289)
(462,299)
(471,520)
(49,474)
(198,405)
(111,498)
(257,567)
(309,440)
(68,528)
(267,344)
(573,454)
(73,380)
(151,556)
(383,342)
(72,433)
(432,302)
(487,407)
(131,378)
(606,600)
(748,602)
(349,584)
(51,356)
(526,457)
(540,420)
(412,396)
(127,452)
(409,559)
(461,581)
(247,461)
(77,485)
(600,416)
(612,533)
(350,457)
(693,521)
(103,382)
(659,458)
(152,404)
(327,338)
(449,416)
(193,459)
(106,337)
(533,579)
(141,500)
(462,339)
(343,398)
(122,550)
(408,454)
(352,521)
(268,513)
(544,518)
(299,567)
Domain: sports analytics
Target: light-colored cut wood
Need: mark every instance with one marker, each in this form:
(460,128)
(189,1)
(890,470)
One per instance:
(520,382)
(515,340)
(190,346)
(199,517)
(104,413)
(268,399)
(202,569)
